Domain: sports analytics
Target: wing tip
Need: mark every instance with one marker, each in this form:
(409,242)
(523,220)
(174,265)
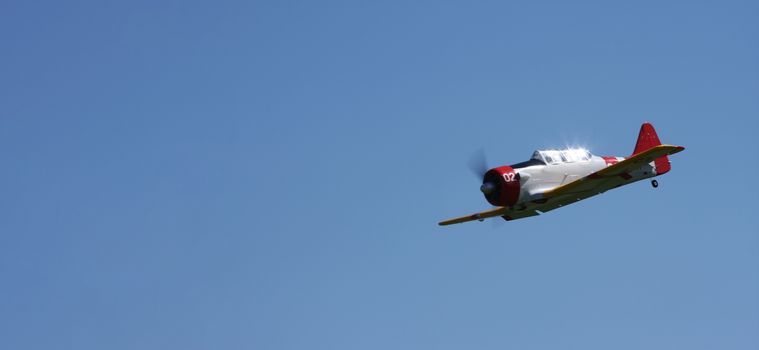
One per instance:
(674,148)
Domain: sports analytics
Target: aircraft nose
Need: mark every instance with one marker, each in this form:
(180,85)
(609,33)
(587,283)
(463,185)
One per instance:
(487,188)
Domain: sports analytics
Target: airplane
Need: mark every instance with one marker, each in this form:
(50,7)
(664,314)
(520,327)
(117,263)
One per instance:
(554,178)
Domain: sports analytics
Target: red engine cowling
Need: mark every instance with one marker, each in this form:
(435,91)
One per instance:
(501,186)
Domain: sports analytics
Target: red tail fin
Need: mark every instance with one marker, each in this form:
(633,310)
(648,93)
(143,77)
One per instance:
(647,138)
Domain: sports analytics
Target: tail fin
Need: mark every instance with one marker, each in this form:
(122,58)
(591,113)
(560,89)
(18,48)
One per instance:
(647,139)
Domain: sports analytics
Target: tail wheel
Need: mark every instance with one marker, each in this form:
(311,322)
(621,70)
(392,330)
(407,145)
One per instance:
(655,183)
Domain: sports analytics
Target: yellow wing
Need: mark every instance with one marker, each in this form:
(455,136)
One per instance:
(498,211)
(603,179)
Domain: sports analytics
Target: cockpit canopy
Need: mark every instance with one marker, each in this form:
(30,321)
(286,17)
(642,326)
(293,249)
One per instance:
(571,155)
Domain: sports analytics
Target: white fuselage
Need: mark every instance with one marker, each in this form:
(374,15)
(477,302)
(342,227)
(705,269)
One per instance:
(536,179)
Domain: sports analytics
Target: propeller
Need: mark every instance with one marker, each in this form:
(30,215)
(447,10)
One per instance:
(478,163)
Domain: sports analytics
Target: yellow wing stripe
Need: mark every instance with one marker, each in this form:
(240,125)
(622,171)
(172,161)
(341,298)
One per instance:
(618,168)
(498,211)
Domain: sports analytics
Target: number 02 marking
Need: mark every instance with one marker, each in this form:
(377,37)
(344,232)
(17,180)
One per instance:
(509,177)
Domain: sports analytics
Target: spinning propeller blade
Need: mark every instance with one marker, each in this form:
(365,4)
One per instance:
(478,163)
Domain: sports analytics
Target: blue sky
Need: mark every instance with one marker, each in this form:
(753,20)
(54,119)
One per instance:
(252,175)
